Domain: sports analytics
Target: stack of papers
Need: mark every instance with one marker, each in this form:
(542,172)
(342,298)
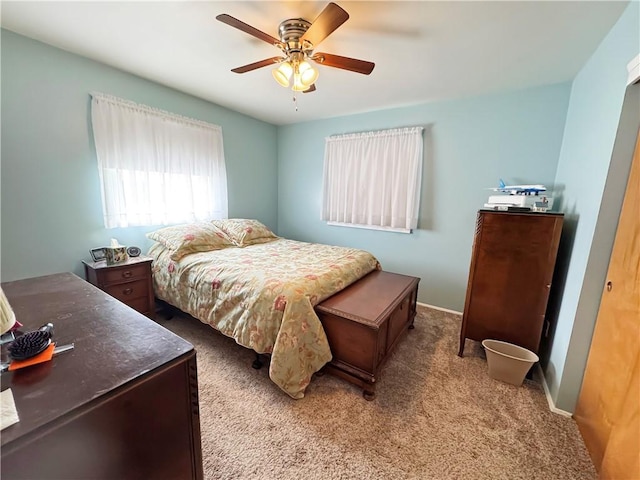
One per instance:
(8,409)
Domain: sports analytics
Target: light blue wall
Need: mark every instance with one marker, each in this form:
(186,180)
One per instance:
(51,205)
(593,117)
(469,145)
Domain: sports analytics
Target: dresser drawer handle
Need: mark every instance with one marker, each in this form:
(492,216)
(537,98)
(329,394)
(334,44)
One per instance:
(128,291)
(126,273)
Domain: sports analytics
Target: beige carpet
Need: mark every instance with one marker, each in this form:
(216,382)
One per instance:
(436,416)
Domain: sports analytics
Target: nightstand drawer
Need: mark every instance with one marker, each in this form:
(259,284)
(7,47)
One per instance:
(125,292)
(125,273)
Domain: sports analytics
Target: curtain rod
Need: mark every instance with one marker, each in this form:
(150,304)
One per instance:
(153,110)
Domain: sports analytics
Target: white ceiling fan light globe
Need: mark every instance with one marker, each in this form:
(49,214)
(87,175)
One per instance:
(282,74)
(308,74)
(298,86)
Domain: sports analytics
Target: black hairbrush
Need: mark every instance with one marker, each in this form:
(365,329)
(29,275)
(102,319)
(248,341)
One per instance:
(31,343)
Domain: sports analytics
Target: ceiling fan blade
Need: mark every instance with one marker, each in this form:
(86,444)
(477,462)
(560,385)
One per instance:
(329,19)
(312,88)
(256,65)
(345,63)
(234,22)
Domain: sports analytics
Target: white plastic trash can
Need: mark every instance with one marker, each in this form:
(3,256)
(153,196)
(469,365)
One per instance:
(508,362)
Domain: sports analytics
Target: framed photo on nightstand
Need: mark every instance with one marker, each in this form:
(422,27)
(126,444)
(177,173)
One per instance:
(98,254)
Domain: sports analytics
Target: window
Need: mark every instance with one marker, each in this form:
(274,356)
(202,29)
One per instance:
(373,179)
(156,168)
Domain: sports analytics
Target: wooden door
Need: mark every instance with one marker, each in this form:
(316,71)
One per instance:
(608,410)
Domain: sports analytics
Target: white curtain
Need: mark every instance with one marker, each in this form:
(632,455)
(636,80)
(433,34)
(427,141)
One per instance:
(373,179)
(157,168)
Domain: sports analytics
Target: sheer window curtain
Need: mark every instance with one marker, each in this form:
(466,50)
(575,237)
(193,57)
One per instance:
(157,168)
(373,179)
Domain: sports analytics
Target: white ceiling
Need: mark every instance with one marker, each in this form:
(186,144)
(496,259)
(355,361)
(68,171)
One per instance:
(423,51)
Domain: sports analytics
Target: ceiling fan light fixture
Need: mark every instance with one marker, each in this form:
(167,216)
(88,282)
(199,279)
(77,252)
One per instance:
(297,41)
(282,74)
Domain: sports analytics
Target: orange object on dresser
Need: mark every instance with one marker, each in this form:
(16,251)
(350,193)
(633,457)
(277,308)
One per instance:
(43,356)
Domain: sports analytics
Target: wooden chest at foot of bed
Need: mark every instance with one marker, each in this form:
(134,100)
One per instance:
(364,322)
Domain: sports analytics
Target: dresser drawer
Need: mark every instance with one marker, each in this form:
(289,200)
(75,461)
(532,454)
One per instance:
(124,273)
(126,292)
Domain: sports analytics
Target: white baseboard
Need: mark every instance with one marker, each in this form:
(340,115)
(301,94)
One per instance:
(552,405)
(439,308)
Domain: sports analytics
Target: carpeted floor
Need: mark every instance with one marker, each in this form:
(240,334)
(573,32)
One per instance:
(436,416)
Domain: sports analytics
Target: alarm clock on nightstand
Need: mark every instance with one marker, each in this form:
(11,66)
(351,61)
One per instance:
(133,251)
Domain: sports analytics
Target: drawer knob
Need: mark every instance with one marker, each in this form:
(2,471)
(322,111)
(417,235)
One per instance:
(128,291)
(126,273)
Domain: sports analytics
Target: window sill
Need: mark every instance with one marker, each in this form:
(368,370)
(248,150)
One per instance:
(371,227)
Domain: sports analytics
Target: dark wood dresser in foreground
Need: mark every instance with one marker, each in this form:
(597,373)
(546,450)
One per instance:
(364,322)
(123,404)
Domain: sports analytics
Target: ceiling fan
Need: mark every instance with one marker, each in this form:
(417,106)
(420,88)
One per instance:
(298,39)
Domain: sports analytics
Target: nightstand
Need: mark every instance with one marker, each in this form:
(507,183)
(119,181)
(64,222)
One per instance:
(129,282)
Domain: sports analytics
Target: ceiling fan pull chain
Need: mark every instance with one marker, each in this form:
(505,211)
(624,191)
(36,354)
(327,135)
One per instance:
(295,100)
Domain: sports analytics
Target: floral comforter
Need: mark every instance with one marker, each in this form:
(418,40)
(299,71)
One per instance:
(263,296)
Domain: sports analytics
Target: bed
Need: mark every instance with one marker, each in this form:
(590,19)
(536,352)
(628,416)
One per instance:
(257,288)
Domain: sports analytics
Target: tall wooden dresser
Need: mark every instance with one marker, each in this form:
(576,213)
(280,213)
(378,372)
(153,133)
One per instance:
(512,263)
